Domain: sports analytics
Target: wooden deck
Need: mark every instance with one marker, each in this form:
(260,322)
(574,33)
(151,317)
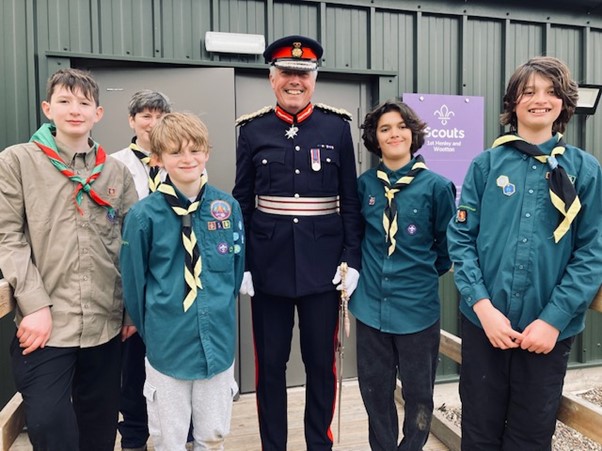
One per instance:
(244,434)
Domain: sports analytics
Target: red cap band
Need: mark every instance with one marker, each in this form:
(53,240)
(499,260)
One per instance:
(294,51)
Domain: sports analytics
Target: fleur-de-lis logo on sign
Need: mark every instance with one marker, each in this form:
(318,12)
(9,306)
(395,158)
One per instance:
(444,114)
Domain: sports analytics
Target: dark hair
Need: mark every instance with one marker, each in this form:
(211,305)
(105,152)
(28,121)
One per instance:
(147,99)
(565,88)
(411,119)
(73,79)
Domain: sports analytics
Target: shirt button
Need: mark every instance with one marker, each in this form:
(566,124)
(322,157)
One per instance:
(297,148)
(297,195)
(521,267)
(385,299)
(328,160)
(85,277)
(297,171)
(264,161)
(530,191)
(295,220)
(528,215)
(525,240)
(534,167)
(415,211)
(84,224)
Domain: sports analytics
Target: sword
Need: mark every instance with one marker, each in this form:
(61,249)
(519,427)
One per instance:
(343,332)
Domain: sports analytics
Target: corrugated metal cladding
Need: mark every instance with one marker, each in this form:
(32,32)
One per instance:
(448,47)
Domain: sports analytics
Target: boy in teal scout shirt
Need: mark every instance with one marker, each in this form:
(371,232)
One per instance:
(406,209)
(182,261)
(527,250)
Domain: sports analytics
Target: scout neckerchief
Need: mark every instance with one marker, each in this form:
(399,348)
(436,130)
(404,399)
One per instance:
(44,139)
(192,259)
(154,179)
(390,213)
(562,192)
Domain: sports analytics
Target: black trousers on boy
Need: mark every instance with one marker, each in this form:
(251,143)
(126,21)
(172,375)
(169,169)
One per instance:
(273,321)
(71,395)
(134,427)
(509,397)
(380,356)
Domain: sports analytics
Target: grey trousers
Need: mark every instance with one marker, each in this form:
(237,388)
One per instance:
(172,402)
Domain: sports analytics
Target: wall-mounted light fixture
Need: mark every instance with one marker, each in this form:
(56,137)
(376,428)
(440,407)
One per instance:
(253,44)
(589,96)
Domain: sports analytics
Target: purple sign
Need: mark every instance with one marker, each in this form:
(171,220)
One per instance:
(455,132)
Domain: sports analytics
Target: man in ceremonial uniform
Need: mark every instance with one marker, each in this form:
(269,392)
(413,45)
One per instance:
(296,184)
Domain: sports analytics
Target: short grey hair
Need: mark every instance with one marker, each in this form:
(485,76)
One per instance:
(274,69)
(147,99)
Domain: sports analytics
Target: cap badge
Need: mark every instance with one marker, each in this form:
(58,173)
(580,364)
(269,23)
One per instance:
(297,51)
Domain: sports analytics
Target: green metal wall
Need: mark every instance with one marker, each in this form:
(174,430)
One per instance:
(445,47)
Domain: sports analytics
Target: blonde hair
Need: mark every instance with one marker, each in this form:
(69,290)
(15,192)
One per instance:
(173,129)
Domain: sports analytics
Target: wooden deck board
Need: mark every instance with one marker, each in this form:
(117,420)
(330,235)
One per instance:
(244,435)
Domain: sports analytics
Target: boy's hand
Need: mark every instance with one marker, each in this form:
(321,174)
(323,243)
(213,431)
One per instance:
(539,337)
(496,326)
(34,330)
(127,332)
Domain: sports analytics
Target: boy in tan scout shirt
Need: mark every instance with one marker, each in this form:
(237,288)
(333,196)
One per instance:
(62,203)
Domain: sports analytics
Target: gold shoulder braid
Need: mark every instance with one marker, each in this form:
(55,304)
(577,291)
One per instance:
(249,117)
(339,111)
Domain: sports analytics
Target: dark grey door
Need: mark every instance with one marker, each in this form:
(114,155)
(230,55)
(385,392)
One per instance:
(206,92)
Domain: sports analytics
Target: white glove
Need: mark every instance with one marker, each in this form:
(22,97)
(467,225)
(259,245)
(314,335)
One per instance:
(246,287)
(351,280)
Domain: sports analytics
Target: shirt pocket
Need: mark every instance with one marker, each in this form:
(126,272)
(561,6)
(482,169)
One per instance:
(219,253)
(413,221)
(269,165)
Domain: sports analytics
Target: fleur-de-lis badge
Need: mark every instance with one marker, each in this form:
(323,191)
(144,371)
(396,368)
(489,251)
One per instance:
(444,114)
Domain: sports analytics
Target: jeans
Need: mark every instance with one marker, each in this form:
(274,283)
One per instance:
(380,357)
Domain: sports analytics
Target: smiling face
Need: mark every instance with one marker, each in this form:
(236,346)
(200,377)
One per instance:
(142,123)
(73,114)
(394,140)
(185,166)
(537,108)
(293,89)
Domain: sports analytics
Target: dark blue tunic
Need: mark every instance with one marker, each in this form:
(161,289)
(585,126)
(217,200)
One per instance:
(296,256)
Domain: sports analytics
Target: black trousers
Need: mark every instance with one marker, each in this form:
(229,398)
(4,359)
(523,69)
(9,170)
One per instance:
(509,398)
(380,356)
(134,427)
(273,321)
(70,395)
